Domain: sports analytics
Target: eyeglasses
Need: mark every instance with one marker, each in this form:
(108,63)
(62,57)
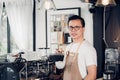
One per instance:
(76,28)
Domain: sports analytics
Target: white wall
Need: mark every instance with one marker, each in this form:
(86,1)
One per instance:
(40,24)
(40,28)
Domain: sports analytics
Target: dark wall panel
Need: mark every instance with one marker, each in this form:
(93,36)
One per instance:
(98,40)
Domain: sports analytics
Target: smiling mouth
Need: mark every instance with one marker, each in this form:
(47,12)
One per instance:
(73,34)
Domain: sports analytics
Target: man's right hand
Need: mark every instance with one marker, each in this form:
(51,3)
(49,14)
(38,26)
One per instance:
(59,51)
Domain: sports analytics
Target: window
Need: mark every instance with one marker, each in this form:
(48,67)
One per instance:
(3,32)
(7,43)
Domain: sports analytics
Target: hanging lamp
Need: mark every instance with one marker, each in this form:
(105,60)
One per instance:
(47,4)
(105,3)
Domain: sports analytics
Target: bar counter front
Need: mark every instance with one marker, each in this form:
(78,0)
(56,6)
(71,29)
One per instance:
(21,69)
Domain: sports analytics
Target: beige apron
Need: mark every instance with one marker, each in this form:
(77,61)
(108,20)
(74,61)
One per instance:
(71,71)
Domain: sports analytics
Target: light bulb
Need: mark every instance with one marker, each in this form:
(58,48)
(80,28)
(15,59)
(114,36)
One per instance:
(47,4)
(105,2)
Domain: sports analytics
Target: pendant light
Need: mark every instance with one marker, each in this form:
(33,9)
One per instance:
(47,4)
(105,3)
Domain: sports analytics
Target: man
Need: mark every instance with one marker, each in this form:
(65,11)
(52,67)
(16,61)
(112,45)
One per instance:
(80,56)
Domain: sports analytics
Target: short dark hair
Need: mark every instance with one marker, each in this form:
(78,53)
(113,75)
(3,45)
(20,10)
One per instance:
(74,17)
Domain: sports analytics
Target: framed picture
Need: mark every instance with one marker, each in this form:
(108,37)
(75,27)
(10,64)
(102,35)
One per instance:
(56,22)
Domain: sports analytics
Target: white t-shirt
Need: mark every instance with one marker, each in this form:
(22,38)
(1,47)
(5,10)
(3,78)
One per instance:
(86,55)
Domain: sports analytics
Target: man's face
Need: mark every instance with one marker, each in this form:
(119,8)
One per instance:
(76,29)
